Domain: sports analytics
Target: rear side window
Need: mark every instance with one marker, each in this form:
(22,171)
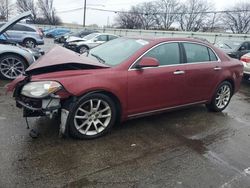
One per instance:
(25,28)
(212,56)
(111,37)
(18,27)
(102,38)
(196,53)
(166,54)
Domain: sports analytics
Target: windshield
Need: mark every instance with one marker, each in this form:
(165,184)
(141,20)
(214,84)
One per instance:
(228,44)
(116,51)
(90,36)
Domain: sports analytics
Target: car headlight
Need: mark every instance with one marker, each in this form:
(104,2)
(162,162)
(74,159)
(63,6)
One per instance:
(40,89)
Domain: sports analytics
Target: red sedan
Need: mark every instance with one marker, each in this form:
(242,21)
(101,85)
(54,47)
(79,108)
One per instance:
(126,78)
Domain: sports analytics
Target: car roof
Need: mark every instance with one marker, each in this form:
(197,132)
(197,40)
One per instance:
(104,34)
(157,39)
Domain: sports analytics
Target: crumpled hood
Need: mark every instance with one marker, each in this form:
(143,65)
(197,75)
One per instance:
(59,56)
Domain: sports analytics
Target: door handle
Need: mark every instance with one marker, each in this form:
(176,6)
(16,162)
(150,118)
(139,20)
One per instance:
(179,72)
(217,68)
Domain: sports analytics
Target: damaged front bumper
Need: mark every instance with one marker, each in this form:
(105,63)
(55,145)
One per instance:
(50,107)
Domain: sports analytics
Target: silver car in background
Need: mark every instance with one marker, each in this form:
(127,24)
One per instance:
(24,34)
(92,40)
(14,59)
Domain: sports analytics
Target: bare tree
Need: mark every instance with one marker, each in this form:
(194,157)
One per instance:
(167,9)
(48,11)
(238,21)
(128,20)
(26,5)
(146,12)
(192,17)
(5,9)
(140,16)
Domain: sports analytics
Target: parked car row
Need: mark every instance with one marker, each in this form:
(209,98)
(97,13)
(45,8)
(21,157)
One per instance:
(238,50)
(14,59)
(79,34)
(23,34)
(88,42)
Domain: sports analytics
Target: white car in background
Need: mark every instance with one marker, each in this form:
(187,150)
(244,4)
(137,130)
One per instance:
(245,59)
(88,42)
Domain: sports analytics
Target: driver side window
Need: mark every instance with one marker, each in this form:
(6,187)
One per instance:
(166,54)
(102,38)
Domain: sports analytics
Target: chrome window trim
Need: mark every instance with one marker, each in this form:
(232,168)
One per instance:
(131,66)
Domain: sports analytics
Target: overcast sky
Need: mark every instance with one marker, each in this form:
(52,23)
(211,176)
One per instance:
(102,18)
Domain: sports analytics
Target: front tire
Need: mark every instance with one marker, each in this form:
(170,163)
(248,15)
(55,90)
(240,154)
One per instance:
(92,116)
(221,97)
(82,49)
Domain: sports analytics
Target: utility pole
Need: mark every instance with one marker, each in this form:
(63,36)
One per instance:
(7,10)
(84,13)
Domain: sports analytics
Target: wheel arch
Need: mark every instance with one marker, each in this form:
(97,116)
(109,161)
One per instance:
(231,81)
(114,97)
(26,38)
(16,54)
(85,45)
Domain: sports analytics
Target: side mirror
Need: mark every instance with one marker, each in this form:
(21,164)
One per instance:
(148,62)
(95,40)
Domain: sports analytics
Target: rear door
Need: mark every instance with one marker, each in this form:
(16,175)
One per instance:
(15,33)
(100,39)
(154,88)
(201,70)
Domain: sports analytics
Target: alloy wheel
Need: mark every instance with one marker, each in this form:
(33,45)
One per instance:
(92,117)
(11,67)
(223,96)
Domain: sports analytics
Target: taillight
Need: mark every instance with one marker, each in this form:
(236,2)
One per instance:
(39,32)
(246,59)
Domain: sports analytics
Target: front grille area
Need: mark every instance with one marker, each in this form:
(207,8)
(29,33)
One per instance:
(35,103)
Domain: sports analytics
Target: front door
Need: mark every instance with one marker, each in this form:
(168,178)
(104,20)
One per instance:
(160,87)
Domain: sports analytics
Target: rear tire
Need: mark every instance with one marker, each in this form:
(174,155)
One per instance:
(221,97)
(92,116)
(29,43)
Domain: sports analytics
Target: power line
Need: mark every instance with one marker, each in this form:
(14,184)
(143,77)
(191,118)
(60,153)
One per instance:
(71,10)
(205,12)
(120,11)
